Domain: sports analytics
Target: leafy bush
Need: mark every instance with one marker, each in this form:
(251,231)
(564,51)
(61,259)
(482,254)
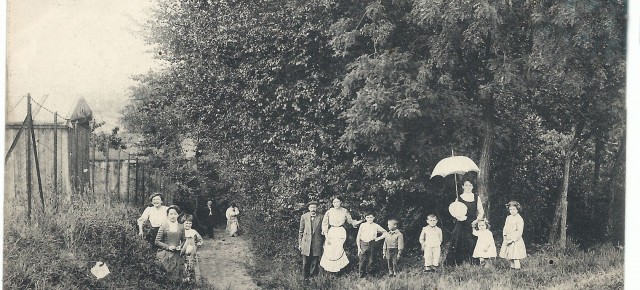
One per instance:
(58,250)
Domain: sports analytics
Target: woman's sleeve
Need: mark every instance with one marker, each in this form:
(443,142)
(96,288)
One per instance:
(159,237)
(199,239)
(144,217)
(350,220)
(325,222)
(480,209)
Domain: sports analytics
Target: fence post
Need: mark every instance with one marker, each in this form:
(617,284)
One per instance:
(128,177)
(137,197)
(55,160)
(93,165)
(144,188)
(35,158)
(119,168)
(106,171)
(28,167)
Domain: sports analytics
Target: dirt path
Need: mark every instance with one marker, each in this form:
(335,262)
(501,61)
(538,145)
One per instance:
(224,261)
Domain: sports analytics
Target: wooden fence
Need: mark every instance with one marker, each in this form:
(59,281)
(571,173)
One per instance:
(51,164)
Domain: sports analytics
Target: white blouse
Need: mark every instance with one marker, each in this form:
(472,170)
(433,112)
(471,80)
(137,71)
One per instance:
(156,216)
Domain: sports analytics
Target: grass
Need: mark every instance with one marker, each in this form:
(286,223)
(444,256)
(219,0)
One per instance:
(278,266)
(57,251)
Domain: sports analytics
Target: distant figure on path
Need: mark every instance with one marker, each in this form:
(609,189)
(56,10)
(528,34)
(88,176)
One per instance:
(156,215)
(169,239)
(310,240)
(232,220)
(209,219)
(463,241)
(334,257)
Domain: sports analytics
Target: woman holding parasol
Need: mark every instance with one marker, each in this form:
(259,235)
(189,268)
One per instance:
(463,241)
(466,208)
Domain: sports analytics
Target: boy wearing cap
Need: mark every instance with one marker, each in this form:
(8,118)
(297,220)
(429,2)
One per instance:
(156,215)
(310,240)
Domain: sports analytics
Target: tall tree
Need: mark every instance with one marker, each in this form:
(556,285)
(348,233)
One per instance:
(578,62)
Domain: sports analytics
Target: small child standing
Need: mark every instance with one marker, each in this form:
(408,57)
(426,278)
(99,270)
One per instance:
(393,246)
(513,248)
(431,239)
(365,241)
(485,246)
(192,240)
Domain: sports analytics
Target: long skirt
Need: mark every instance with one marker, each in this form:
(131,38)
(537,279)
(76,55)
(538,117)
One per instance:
(463,242)
(334,257)
(172,262)
(232,226)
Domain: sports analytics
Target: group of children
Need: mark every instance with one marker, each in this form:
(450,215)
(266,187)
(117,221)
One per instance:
(513,248)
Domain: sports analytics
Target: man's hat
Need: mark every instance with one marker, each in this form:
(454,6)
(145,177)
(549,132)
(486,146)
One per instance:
(312,202)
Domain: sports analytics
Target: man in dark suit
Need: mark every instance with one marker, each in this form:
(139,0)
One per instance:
(209,218)
(310,240)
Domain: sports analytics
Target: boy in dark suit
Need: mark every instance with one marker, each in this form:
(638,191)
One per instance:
(310,240)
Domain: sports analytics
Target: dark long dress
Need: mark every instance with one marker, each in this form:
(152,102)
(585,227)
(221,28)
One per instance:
(463,241)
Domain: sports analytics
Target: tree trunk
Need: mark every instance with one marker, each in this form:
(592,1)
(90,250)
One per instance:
(619,163)
(598,161)
(560,218)
(485,159)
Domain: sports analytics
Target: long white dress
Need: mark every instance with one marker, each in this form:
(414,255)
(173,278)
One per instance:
(334,257)
(513,247)
(232,220)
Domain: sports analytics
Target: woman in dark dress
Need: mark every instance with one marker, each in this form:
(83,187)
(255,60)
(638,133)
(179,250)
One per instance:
(463,241)
(169,240)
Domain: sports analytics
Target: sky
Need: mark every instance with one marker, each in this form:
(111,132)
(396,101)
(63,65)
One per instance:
(67,49)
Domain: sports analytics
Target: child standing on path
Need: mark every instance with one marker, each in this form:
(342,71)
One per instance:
(513,248)
(485,246)
(393,246)
(431,239)
(365,241)
(192,240)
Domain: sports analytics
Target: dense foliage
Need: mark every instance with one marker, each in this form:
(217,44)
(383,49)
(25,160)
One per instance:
(293,100)
(57,251)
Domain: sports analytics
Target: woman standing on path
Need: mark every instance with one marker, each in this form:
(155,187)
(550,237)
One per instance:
(169,239)
(463,241)
(334,257)
(156,215)
(232,220)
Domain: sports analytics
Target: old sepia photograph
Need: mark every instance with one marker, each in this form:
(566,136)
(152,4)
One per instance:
(318,144)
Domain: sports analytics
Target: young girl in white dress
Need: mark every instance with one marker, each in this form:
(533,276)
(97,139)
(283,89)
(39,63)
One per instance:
(485,246)
(513,248)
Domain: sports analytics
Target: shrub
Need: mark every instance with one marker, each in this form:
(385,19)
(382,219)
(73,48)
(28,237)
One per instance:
(58,250)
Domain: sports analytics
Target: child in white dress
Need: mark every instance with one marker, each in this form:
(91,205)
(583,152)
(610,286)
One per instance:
(513,248)
(485,246)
